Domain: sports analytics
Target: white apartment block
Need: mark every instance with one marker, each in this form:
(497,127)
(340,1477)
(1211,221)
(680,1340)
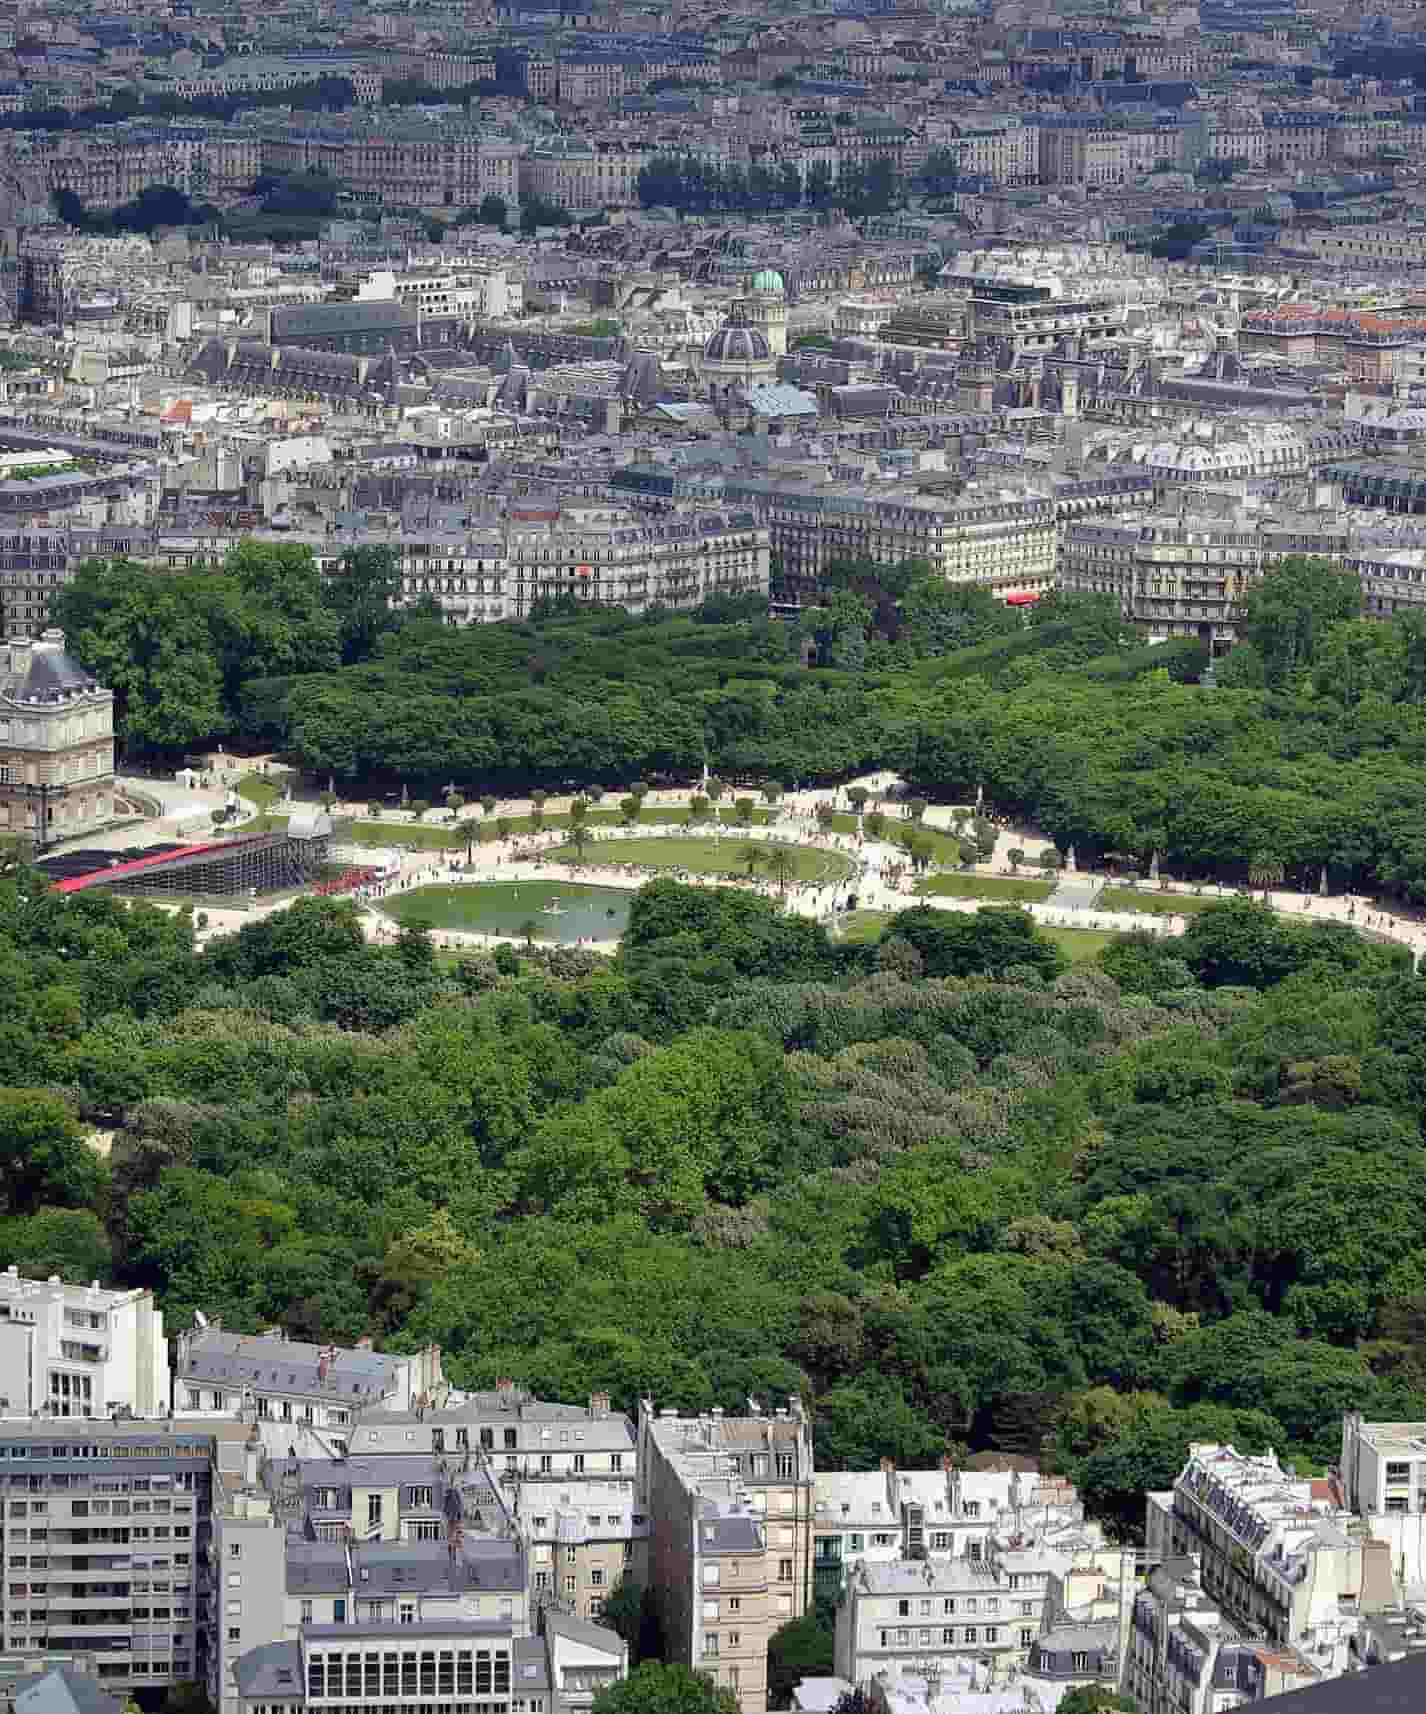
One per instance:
(80,1351)
(909,1614)
(473,290)
(1383,1465)
(1276,1552)
(883,1516)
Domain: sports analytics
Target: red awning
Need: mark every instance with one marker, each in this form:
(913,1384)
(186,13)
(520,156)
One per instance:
(1021,600)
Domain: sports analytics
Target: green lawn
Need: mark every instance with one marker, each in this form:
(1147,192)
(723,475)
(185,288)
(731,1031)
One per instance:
(414,835)
(859,927)
(1154,903)
(705,856)
(257,789)
(439,832)
(1005,887)
(1079,945)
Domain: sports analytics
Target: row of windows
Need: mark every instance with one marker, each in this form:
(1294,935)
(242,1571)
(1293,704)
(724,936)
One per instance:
(431,1672)
(174,1447)
(951,1636)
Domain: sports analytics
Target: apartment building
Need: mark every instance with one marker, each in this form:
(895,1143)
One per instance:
(473,291)
(563,1476)
(897,1616)
(464,1668)
(583,175)
(401,159)
(1275,1551)
(364,1541)
(592,552)
(470,1665)
(882,1516)
(730,1505)
(283,1381)
(1383,1467)
(1032,319)
(105,1534)
(259,73)
(57,781)
(448,70)
(1369,345)
(1083,151)
(511,1433)
(989,533)
(1185,1657)
(1005,153)
(1185,572)
(80,1351)
(583,1537)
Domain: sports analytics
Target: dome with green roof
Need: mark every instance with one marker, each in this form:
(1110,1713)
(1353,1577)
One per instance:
(768,280)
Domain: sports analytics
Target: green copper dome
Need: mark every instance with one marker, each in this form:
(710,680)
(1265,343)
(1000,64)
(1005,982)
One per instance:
(768,280)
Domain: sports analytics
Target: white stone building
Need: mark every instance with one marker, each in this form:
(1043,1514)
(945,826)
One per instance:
(80,1351)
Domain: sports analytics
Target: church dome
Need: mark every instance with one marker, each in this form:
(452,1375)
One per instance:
(733,344)
(768,280)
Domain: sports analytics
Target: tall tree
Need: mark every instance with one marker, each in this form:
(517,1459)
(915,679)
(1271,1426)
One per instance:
(361,598)
(1292,609)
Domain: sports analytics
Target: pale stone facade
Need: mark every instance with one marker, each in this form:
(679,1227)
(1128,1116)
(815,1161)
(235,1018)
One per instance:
(56,742)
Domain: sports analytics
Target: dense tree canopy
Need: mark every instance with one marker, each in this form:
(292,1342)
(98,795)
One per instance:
(953,1192)
(1086,1213)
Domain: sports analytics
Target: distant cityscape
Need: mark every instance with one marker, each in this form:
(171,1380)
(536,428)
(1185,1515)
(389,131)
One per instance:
(1115,303)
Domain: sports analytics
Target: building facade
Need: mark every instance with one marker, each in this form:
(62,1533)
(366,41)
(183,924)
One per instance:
(283,1381)
(80,1351)
(56,743)
(106,1529)
(730,1505)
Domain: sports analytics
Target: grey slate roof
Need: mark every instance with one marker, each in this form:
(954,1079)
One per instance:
(287,1366)
(62,1690)
(1399,1687)
(582,1631)
(323,321)
(51,675)
(730,1534)
(272,1671)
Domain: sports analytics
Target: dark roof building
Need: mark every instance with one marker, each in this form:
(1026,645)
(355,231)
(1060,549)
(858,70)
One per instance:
(62,1690)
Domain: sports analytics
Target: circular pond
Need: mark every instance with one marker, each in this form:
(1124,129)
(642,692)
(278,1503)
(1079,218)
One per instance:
(549,910)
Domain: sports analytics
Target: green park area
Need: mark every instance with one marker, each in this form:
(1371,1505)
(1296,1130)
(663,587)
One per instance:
(1153,903)
(1079,945)
(1003,889)
(772,859)
(1043,1194)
